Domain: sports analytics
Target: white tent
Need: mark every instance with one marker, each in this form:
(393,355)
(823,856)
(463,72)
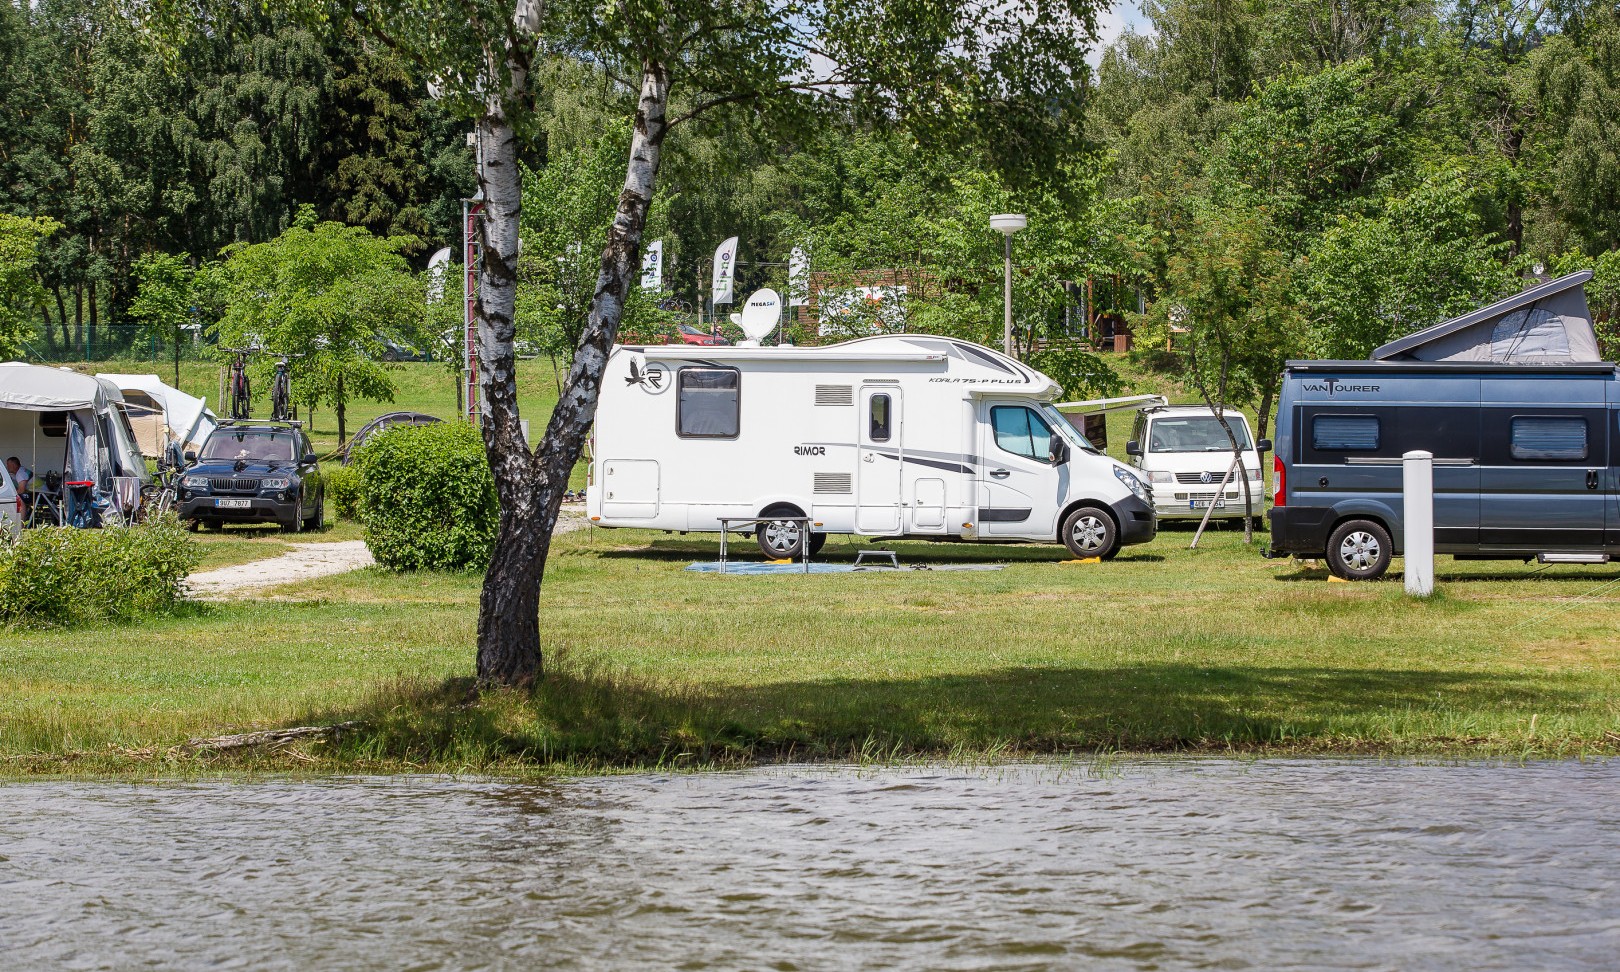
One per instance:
(161,414)
(1548,323)
(58,421)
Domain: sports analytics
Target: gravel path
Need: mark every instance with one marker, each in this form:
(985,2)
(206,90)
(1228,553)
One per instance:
(306,560)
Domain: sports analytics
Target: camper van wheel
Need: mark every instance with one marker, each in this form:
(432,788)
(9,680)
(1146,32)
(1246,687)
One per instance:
(1359,550)
(194,525)
(1090,532)
(780,539)
(817,541)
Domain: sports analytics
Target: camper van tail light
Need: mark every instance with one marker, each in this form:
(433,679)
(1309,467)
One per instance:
(1281,481)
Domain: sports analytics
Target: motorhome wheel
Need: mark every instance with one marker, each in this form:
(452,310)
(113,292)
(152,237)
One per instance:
(1090,532)
(780,539)
(1359,550)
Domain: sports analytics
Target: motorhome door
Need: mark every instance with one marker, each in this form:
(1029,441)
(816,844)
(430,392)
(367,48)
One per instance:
(1018,488)
(877,491)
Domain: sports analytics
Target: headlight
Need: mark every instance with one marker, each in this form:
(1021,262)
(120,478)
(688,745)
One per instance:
(280,483)
(1132,483)
(195,482)
(1161,476)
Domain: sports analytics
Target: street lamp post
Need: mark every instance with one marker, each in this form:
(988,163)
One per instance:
(1008,224)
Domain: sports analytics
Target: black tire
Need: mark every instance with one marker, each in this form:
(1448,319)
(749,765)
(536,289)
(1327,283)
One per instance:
(194,525)
(1258,523)
(317,520)
(817,541)
(1090,532)
(294,525)
(780,539)
(1359,550)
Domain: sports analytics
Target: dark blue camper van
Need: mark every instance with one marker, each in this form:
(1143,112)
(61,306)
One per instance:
(1524,434)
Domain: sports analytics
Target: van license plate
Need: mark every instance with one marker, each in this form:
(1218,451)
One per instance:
(233,504)
(1200,504)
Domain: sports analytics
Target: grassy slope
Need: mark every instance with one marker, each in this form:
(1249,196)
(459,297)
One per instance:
(1165,648)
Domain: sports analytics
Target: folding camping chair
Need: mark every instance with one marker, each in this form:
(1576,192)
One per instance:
(45,502)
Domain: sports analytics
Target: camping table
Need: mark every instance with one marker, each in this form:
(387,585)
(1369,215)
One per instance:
(802,521)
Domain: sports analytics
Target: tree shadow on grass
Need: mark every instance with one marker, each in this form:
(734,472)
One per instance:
(588,718)
(909,552)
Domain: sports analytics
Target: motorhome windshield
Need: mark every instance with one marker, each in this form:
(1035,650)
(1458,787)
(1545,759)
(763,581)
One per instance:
(1066,428)
(1196,433)
(253,445)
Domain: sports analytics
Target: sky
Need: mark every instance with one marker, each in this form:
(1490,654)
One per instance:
(1112,22)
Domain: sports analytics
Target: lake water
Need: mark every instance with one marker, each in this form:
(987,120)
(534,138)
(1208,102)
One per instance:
(1149,865)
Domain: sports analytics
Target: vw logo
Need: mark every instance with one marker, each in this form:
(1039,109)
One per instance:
(1206,478)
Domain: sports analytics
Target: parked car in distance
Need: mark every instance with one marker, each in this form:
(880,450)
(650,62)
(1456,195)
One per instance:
(254,472)
(395,351)
(691,335)
(1183,453)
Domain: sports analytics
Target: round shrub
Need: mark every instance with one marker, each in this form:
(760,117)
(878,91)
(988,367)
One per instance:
(61,577)
(427,498)
(343,487)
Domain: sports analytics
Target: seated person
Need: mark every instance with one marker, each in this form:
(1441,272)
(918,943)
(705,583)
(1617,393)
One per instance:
(20,474)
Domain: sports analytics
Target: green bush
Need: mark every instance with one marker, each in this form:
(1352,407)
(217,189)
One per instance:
(427,498)
(343,488)
(62,577)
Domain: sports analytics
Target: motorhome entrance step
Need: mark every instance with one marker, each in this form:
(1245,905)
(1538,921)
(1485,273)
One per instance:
(862,555)
(1572,558)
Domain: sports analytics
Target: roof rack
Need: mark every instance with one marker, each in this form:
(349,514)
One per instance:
(294,423)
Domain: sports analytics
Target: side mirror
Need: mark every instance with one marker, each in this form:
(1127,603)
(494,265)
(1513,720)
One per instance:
(1133,448)
(1264,445)
(1059,450)
(309,459)
(191,456)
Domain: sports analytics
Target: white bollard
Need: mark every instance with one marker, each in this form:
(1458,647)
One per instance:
(1417,485)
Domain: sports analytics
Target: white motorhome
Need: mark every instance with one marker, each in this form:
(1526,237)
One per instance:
(1184,454)
(893,436)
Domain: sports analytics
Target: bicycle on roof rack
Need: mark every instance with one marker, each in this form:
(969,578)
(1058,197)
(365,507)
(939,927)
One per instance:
(282,408)
(240,391)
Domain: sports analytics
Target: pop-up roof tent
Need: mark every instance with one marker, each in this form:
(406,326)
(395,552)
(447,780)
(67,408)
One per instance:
(161,414)
(1545,324)
(57,421)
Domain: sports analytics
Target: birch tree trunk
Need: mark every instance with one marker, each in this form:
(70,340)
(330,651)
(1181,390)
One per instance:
(531,486)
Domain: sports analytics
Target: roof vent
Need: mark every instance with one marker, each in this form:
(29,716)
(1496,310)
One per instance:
(835,394)
(828,482)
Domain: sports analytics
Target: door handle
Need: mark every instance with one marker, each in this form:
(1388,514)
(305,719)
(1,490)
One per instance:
(1000,473)
(1591,479)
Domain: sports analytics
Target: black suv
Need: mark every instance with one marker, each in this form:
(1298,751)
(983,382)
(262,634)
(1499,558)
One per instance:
(254,471)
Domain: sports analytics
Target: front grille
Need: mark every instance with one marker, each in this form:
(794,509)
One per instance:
(1193,479)
(234,485)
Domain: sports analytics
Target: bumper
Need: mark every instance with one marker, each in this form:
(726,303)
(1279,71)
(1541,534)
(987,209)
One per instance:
(1137,524)
(258,510)
(1299,531)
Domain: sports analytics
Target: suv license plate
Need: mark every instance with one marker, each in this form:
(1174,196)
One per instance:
(233,504)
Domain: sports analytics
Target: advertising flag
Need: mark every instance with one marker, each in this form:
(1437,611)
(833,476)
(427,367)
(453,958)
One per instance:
(652,266)
(798,278)
(725,260)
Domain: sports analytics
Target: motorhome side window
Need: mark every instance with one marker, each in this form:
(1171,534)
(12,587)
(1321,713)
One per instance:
(1021,432)
(879,418)
(1551,437)
(1345,433)
(709,404)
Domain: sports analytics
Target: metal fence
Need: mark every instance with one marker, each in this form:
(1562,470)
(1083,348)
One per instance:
(105,342)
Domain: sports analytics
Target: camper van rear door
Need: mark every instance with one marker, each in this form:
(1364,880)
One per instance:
(877,491)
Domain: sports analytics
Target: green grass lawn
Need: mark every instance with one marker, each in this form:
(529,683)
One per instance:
(1213,650)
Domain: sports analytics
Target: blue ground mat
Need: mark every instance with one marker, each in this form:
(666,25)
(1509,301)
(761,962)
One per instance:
(748,568)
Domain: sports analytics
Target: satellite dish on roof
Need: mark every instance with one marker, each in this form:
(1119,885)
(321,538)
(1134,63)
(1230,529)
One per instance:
(759,316)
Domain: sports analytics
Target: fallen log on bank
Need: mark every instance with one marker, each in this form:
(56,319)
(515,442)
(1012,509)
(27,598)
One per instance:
(268,738)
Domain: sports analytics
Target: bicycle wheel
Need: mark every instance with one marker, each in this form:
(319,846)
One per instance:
(278,401)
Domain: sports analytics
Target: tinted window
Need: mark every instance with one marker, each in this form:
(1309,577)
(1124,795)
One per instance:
(1553,437)
(880,418)
(709,405)
(1022,432)
(1345,433)
(53,424)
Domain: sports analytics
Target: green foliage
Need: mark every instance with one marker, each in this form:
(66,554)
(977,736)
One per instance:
(427,497)
(64,577)
(330,293)
(20,292)
(342,484)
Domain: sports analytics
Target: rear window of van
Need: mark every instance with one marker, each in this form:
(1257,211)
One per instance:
(1345,433)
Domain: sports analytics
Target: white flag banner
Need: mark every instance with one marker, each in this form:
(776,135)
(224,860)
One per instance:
(725,267)
(652,266)
(798,278)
